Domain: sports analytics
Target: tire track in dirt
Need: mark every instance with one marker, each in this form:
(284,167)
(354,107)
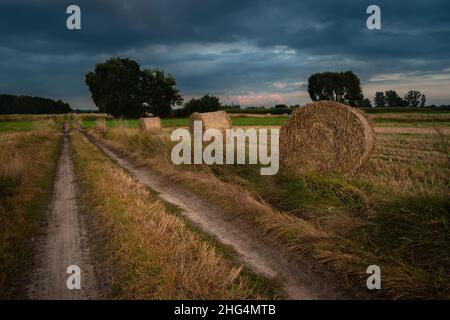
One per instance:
(65,242)
(261,257)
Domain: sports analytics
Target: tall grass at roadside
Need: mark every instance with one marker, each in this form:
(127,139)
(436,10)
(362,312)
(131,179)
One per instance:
(27,164)
(12,168)
(100,126)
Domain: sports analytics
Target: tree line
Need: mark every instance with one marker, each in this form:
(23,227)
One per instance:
(390,98)
(12,104)
(120,87)
(345,87)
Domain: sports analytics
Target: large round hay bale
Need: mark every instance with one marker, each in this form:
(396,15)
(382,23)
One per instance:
(326,136)
(211,120)
(151,125)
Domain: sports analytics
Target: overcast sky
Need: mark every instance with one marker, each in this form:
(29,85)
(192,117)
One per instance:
(248,52)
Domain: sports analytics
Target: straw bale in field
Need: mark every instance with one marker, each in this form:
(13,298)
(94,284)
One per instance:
(151,125)
(211,120)
(326,136)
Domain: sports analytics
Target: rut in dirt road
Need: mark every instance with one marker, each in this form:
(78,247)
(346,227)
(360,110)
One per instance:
(65,242)
(261,257)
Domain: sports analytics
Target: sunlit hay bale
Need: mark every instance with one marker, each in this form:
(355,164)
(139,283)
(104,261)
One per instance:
(151,125)
(326,136)
(211,120)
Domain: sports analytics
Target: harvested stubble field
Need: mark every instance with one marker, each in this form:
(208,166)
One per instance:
(393,212)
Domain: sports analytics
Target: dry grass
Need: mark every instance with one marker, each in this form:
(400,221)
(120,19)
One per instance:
(27,163)
(100,126)
(409,117)
(391,213)
(406,164)
(12,165)
(383,129)
(150,251)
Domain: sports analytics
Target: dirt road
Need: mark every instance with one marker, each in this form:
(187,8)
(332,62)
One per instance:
(65,242)
(263,258)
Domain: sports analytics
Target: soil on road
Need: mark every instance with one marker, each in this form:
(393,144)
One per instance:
(65,243)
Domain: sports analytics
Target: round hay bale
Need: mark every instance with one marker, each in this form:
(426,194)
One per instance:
(326,136)
(151,125)
(211,120)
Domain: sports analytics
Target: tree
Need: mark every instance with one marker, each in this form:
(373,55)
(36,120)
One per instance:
(159,92)
(366,103)
(281,106)
(423,100)
(232,106)
(414,98)
(380,99)
(393,99)
(114,87)
(354,96)
(206,103)
(118,86)
(344,87)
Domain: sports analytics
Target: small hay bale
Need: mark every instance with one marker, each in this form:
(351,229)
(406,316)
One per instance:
(100,126)
(326,136)
(151,125)
(211,120)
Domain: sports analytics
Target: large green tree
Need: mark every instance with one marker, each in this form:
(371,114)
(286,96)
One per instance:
(393,99)
(119,87)
(380,99)
(114,87)
(366,103)
(344,87)
(159,92)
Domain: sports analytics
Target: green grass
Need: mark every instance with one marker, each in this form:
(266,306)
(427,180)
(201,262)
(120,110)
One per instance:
(184,122)
(261,121)
(405,232)
(17,126)
(255,121)
(131,123)
(22,125)
(177,122)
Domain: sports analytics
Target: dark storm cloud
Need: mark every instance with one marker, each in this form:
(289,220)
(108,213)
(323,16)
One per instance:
(229,48)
